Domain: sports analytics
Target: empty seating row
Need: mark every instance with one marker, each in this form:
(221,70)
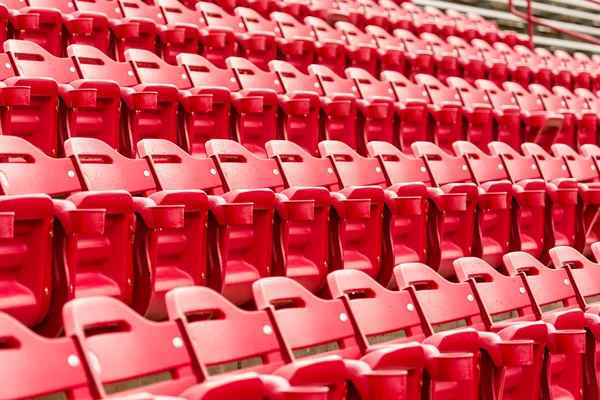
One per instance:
(380,343)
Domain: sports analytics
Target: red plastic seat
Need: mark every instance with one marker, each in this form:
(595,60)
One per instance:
(446,108)
(330,47)
(489,31)
(423,22)
(562,214)
(547,287)
(543,73)
(565,69)
(377,373)
(586,120)
(465,28)
(87,107)
(592,102)
(376,311)
(148,110)
(291,29)
(291,115)
(258,47)
(588,65)
(498,354)
(519,69)
(559,335)
(446,59)
(447,238)
(364,50)
(419,56)
(499,70)
(527,215)
(218,344)
(541,126)
(295,219)
(365,12)
(118,345)
(170,234)
(472,65)
(490,203)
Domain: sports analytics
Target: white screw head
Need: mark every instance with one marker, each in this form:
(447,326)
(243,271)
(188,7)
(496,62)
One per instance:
(183,76)
(70,5)
(72,69)
(522,290)
(563,104)
(94,362)
(213,171)
(311,33)
(232,79)
(377,169)
(486,98)
(423,169)
(46,291)
(539,101)
(7,65)
(390,91)
(275,172)
(343,317)
(354,88)
(71,174)
(241,25)
(267,330)
(330,170)
(533,166)
(73,361)
(593,167)
(424,93)
(566,282)
(117,10)
(130,73)
(276,81)
(500,166)
(177,342)
(564,167)
(456,96)
(201,20)
(512,99)
(470,298)
(146,173)
(159,16)
(464,167)
(410,307)
(276,29)
(316,84)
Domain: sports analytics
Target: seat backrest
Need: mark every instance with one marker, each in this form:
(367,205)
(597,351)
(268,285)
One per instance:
(487,51)
(550,167)
(323,31)
(548,286)
(150,68)
(592,151)
(217,17)
(331,82)
(376,310)
(351,168)
(583,169)
(24,169)
(443,167)
(463,48)
(204,73)
(255,22)
(550,101)
(571,101)
(354,36)
(397,166)
(250,76)
(405,89)
(292,79)
(175,12)
(368,86)
(111,8)
(438,46)
(299,168)
(500,294)
(32,60)
(525,100)
(517,166)
(438,92)
(240,169)
(411,42)
(139,9)
(469,95)
(498,97)
(33,366)
(584,272)
(432,292)
(509,54)
(483,167)
(305,320)
(590,98)
(223,333)
(174,169)
(100,167)
(291,28)
(94,64)
(119,345)
(384,38)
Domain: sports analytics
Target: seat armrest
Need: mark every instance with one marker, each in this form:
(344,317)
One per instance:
(447,201)
(403,205)
(493,201)
(198,103)
(448,367)
(157,217)
(351,208)
(15,95)
(230,213)
(7,225)
(294,210)
(507,353)
(138,101)
(79,221)
(568,341)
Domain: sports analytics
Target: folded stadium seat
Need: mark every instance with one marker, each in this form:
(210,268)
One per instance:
(293,116)
(541,126)
(409,115)
(504,124)
(330,47)
(499,69)
(337,113)
(572,132)
(446,103)
(358,201)
(419,56)
(543,73)
(563,218)
(423,22)
(283,376)
(87,107)
(170,234)
(586,127)
(258,47)
(566,70)
(392,58)
(559,336)
(471,64)
(196,113)
(446,59)
(385,373)
(148,110)
(447,236)
(521,71)
(382,316)
(490,32)
(172,38)
(398,18)
(290,49)
(490,202)
(588,65)
(214,43)
(295,219)
(292,30)
(552,287)
(378,58)
(527,205)
(125,32)
(592,102)
(418,117)
(299,9)
(582,77)
(118,345)
(91,253)
(328,10)
(465,28)
(555,169)
(368,12)
(497,353)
